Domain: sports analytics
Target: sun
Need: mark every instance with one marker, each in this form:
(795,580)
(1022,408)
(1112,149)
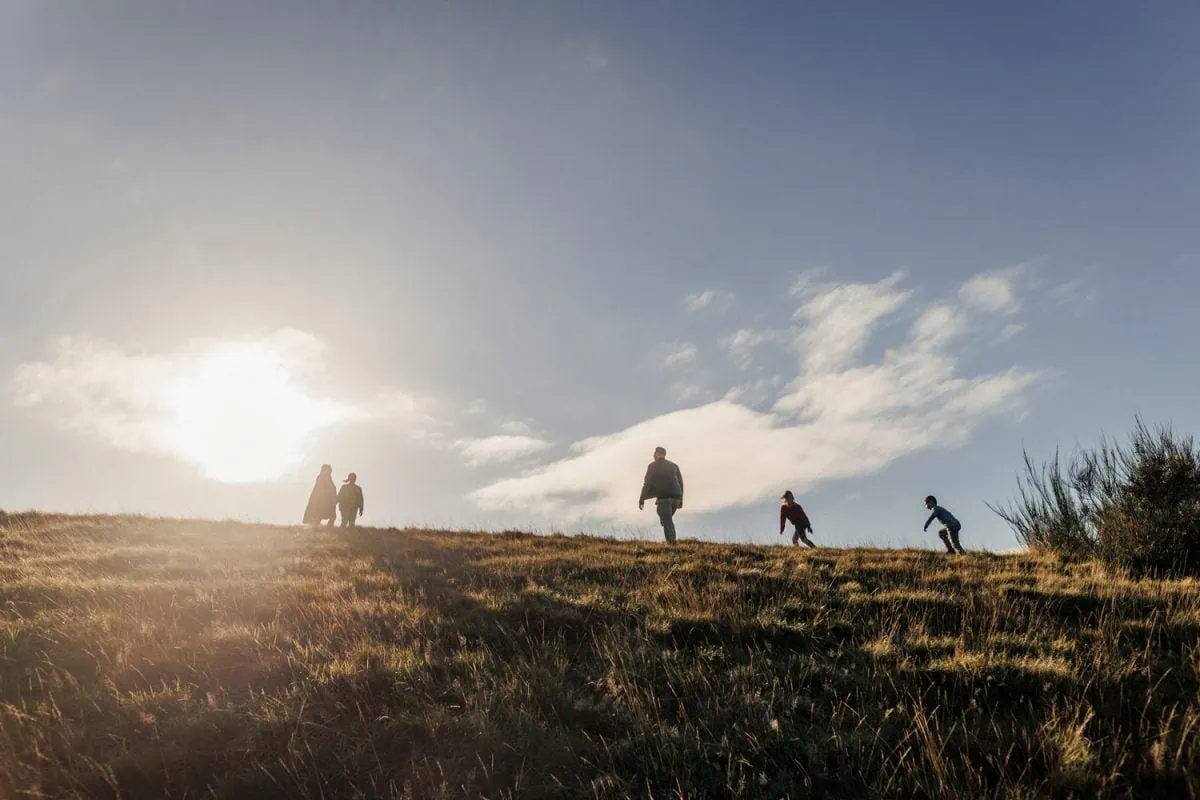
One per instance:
(238,411)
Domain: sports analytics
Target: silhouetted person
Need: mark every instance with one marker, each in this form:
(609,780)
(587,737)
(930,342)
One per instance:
(791,511)
(664,482)
(350,500)
(951,526)
(322,503)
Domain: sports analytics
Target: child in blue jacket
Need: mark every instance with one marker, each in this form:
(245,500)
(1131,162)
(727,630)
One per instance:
(951,526)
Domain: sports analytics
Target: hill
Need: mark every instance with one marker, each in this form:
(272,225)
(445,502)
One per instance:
(160,658)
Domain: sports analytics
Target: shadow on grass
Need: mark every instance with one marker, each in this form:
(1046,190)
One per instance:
(819,637)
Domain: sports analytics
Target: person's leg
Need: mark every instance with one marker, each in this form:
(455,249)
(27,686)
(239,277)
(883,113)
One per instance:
(944,535)
(666,510)
(954,538)
(351,517)
(804,538)
(796,537)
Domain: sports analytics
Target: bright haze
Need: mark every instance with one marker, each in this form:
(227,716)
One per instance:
(488,255)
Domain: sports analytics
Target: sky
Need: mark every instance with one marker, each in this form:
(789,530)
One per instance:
(489,255)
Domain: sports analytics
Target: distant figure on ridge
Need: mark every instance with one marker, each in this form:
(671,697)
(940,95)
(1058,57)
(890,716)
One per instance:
(664,482)
(793,512)
(951,526)
(350,500)
(322,503)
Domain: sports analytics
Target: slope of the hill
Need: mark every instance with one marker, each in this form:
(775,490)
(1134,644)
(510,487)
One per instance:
(157,658)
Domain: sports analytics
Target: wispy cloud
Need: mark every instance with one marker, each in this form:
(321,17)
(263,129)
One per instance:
(1077,293)
(681,353)
(476,407)
(478,452)
(992,292)
(517,427)
(743,342)
(1011,331)
(411,414)
(839,417)
(690,392)
(709,299)
(838,320)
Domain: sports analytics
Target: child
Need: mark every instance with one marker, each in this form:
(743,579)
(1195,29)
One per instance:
(790,511)
(949,533)
(350,500)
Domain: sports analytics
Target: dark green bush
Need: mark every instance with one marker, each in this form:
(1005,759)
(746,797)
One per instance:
(1135,505)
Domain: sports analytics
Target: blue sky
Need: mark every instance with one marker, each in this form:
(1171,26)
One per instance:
(489,255)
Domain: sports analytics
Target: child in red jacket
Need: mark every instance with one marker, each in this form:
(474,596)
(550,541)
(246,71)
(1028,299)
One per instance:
(791,511)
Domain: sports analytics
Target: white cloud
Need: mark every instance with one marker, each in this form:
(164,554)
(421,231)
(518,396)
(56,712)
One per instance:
(709,299)
(517,427)
(479,452)
(992,292)
(742,343)
(1077,293)
(808,282)
(756,393)
(1011,331)
(409,414)
(236,408)
(476,407)
(840,417)
(681,353)
(838,320)
(690,392)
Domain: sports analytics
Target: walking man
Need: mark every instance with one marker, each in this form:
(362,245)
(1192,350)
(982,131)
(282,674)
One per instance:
(664,482)
(350,500)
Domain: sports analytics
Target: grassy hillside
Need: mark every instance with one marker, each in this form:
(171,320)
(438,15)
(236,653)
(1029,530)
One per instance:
(152,658)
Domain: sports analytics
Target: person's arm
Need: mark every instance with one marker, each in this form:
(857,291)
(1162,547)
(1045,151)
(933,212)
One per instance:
(679,476)
(645,487)
(782,519)
(932,517)
(361,506)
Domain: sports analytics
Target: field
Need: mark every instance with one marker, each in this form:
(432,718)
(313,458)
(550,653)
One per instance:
(160,658)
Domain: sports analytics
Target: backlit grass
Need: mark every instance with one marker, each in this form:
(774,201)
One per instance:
(159,658)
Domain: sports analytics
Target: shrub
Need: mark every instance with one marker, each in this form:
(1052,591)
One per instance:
(1135,505)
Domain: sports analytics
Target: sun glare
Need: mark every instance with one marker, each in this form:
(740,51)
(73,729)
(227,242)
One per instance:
(238,412)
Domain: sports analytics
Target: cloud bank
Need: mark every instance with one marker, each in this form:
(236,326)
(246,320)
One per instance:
(992,292)
(500,449)
(709,300)
(840,416)
(681,353)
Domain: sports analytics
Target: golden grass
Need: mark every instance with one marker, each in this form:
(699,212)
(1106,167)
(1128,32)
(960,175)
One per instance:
(161,658)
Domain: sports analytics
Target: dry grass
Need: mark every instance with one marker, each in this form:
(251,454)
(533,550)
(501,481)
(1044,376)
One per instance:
(156,658)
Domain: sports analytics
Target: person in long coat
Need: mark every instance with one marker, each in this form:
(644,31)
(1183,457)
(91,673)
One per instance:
(322,503)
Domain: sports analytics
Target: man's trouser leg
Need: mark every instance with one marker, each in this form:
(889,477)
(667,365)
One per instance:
(666,511)
(348,518)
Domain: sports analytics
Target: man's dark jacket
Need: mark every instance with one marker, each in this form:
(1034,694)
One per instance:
(663,480)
